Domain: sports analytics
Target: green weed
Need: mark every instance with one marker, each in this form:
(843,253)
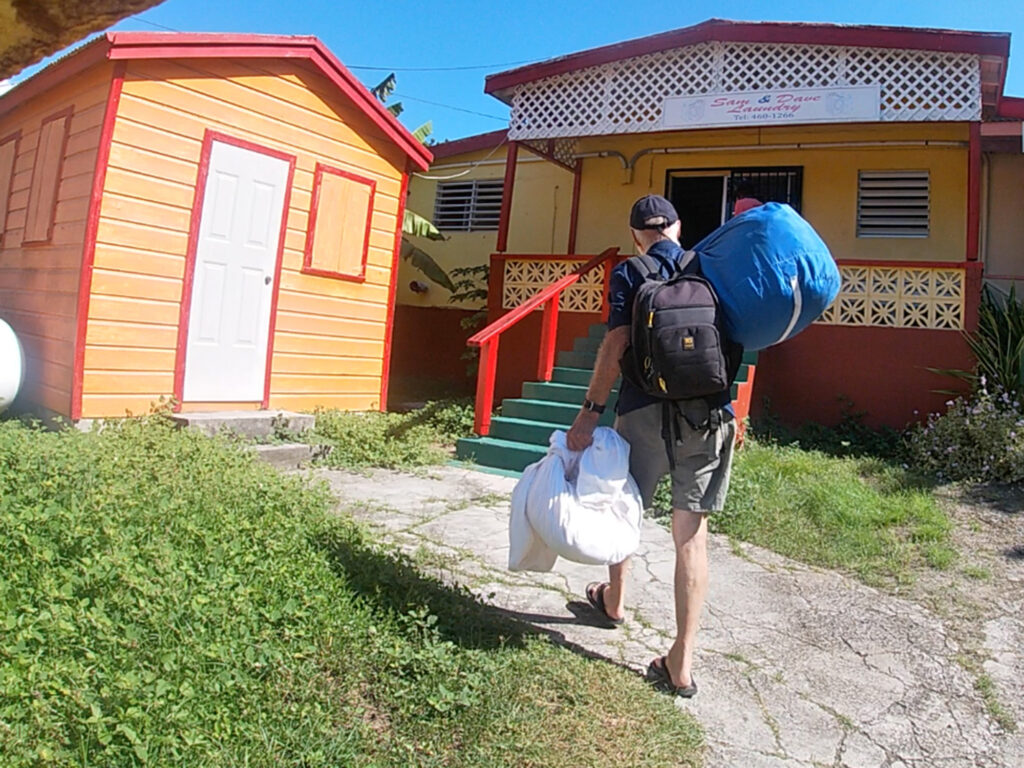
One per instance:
(859,514)
(392,440)
(166,599)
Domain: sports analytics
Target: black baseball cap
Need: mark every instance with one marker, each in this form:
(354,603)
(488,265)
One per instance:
(652,212)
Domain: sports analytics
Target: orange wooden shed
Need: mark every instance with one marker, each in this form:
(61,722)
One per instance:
(213,218)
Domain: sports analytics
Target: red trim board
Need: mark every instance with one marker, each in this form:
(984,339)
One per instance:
(505,215)
(66,114)
(973,191)
(193,243)
(99,178)
(156,45)
(389,328)
(574,211)
(314,209)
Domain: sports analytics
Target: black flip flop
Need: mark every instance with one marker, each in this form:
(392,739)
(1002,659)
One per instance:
(595,596)
(658,674)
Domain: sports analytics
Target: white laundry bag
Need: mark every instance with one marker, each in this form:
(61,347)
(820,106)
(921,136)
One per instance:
(583,506)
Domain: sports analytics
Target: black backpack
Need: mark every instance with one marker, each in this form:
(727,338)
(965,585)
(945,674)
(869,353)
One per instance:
(678,349)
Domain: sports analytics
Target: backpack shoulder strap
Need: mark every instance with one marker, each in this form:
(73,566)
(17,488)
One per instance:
(687,259)
(650,266)
(646,265)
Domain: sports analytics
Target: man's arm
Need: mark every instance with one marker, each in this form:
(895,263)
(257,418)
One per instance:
(606,370)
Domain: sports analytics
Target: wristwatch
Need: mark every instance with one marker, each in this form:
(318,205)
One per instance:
(590,405)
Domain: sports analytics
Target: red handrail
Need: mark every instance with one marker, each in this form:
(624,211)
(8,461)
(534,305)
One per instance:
(487,339)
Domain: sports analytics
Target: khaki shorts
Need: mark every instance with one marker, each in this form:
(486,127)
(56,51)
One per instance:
(700,480)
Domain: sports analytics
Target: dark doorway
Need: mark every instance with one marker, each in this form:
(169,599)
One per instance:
(698,199)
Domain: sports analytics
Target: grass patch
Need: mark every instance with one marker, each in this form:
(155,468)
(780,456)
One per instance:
(996,709)
(392,440)
(166,599)
(977,572)
(855,513)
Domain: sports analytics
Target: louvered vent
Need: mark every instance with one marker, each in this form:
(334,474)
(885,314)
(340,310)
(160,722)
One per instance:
(892,204)
(466,206)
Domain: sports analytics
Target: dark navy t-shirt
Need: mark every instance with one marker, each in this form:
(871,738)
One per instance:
(622,287)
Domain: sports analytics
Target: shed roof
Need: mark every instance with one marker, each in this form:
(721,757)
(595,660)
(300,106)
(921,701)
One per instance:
(120,46)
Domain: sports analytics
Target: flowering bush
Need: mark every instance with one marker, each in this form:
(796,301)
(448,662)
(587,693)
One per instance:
(980,437)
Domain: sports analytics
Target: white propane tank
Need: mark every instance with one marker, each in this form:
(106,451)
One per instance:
(12,366)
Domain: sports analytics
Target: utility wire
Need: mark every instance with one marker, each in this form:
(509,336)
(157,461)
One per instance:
(440,69)
(449,106)
(381,69)
(399,69)
(154,24)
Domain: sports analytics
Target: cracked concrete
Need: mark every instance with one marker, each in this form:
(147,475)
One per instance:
(799,667)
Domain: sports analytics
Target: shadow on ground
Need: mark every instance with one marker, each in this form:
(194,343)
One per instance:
(1007,499)
(391,582)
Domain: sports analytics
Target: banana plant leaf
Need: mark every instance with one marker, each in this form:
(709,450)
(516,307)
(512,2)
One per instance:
(421,133)
(423,261)
(420,226)
(385,87)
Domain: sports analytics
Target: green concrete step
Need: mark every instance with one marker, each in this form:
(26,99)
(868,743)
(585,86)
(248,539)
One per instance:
(586,345)
(579,376)
(548,412)
(519,436)
(502,454)
(523,430)
(560,393)
(575,360)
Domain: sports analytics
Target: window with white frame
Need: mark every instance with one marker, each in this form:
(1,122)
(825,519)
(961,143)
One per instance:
(468,206)
(892,204)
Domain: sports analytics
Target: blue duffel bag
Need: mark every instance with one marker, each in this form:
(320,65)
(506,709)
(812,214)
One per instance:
(773,274)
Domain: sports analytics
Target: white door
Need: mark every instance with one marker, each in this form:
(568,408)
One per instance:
(232,287)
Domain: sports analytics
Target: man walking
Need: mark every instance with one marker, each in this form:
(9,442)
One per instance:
(703,445)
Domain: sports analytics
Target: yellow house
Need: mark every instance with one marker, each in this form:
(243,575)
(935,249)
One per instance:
(896,144)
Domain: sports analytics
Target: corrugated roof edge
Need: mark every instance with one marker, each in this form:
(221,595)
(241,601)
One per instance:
(473,143)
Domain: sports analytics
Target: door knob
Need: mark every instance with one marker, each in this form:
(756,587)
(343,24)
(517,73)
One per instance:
(266,280)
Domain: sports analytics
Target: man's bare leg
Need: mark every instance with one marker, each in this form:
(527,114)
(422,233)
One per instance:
(690,534)
(615,592)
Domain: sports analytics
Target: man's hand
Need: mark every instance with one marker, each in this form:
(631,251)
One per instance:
(581,433)
(606,370)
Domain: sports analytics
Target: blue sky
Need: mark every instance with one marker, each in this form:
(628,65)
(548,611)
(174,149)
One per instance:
(487,37)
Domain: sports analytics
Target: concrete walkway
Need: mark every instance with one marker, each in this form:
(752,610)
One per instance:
(798,667)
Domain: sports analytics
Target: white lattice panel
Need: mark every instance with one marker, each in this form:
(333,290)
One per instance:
(899,297)
(626,96)
(524,277)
